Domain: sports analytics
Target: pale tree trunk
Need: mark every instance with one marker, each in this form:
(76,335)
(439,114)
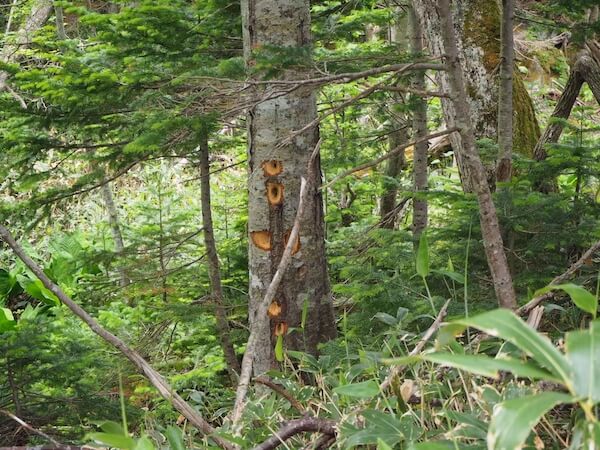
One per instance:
(398,122)
(420,168)
(505,93)
(490,228)
(40,12)
(275,171)
(115,228)
(214,271)
(477,30)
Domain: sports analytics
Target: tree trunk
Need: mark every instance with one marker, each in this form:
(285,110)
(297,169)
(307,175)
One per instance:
(420,168)
(214,271)
(477,30)
(505,93)
(275,170)
(40,12)
(115,228)
(399,135)
(395,165)
(490,228)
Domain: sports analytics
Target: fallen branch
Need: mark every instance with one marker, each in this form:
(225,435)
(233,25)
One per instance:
(294,427)
(165,389)
(283,392)
(397,370)
(529,306)
(388,155)
(28,427)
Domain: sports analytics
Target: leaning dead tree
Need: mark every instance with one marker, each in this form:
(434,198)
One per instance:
(585,68)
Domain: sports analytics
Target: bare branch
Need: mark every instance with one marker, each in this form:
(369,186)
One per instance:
(525,309)
(388,155)
(294,427)
(33,430)
(163,387)
(397,370)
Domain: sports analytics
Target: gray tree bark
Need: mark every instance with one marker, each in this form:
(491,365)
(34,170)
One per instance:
(214,271)
(420,167)
(477,31)
(275,170)
(115,228)
(505,93)
(490,228)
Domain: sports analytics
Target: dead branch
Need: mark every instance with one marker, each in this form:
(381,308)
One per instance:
(526,309)
(283,392)
(388,155)
(294,427)
(163,387)
(33,430)
(397,370)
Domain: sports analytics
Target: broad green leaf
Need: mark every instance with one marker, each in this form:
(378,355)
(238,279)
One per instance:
(513,420)
(144,443)
(386,318)
(433,446)
(175,438)
(379,426)
(381,445)
(108,426)
(7,321)
(279,348)
(423,256)
(584,299)
(7,282)
(458,277)
(489,367)
(37,290)
(114,440)
(504,324)
(365,389)
(583,352)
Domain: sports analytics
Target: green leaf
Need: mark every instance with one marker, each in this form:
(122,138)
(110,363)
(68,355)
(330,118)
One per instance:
(381,445)
(458,277)
(386,318)
(144,443)
(504,324)
(513,420)
(423,256)
(7,321)
(365,389)
(37,290)
(175,438)
(489,367)
(113,440)
(583,352)
(582,298)
(279,348)
(379,426)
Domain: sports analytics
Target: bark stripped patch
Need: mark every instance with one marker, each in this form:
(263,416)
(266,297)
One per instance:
(261,239)
(281,328)
(274,309)
(272,168)
(274,193)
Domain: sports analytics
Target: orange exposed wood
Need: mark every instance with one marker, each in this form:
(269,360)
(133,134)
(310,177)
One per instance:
(272,167)
(275,193)
(281,328)
(261,239)
(274,309)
